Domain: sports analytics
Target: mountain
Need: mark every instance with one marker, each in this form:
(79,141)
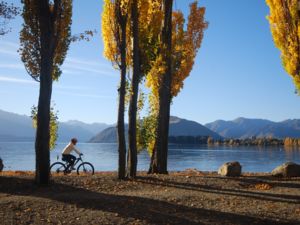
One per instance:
(183,127)
(178,127)
(108,135)
(15,127)
(82,131)
(246,128)
(92,127)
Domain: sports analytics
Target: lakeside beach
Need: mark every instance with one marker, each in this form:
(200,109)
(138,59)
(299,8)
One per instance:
(170,112)
(186,197)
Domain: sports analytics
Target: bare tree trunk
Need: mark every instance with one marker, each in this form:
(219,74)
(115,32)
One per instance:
(43,130)
(121,127)
(43,116)
(132,152)
(160,153)
(153,168)
(122,91)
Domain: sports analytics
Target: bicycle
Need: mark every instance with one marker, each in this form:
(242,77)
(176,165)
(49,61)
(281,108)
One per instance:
(82,168)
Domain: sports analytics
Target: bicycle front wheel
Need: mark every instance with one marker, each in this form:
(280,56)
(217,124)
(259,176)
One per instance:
(85,168)
(57,168)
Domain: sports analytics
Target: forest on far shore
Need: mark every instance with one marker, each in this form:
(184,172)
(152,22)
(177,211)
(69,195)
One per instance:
(253,141)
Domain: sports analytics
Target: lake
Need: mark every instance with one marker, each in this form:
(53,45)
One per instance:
(21,156)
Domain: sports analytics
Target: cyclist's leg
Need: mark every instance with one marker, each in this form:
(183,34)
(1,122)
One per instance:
(67,158)
(72,160)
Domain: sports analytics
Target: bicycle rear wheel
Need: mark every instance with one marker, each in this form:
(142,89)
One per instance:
(85,168)
(57,168)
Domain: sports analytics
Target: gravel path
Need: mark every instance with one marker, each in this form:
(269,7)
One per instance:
(188,197)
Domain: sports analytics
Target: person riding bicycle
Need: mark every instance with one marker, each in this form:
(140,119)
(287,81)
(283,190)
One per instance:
(66,156)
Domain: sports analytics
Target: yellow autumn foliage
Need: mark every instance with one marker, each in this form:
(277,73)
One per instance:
(284,19)
(30,41)
(111,51)
(150,17)
(186,41)
(185,44)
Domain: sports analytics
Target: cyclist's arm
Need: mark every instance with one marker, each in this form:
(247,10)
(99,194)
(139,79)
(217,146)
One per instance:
(76,150)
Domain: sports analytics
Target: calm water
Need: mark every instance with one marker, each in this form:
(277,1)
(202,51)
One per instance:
(21,156)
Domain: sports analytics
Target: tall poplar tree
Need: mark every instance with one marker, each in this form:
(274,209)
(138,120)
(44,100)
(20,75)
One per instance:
(160,153)
(142,31)
(284,19)
(184,48)
(114,34)
(45,39)
(132,113)
(146,17)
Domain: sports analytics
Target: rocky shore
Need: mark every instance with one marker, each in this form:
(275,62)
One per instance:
(187,197)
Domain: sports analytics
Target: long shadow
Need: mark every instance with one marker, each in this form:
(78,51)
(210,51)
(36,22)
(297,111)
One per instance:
(150,210)
(223,191)
(266,179)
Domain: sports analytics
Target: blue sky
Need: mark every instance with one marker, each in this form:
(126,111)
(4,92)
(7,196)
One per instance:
(237,71)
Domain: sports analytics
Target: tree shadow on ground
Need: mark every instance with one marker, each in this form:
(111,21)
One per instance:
(146,209)
(223,191)
(273,180)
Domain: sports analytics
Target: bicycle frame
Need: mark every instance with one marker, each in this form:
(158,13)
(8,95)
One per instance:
(75,163)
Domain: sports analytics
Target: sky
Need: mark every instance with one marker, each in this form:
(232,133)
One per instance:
(237,72)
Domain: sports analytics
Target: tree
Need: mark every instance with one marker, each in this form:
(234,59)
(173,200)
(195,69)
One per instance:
(114,32)
(53,125)
(45,39)
(132,151)
(159,161)
(147,27)
(166,85)
(284,19)
(146,17)
(7,12)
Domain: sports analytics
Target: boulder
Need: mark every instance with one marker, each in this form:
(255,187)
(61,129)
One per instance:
(230,169)
(1,165)
(288,169)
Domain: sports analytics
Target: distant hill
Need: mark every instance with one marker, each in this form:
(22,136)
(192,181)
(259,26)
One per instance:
(108,135)
(178,127)
(15,127)
(246,128)
(183,127)
(82,131)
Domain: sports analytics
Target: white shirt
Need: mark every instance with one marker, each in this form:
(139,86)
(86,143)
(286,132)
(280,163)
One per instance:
(69,148)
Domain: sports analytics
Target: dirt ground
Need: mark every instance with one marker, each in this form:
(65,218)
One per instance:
(188,197)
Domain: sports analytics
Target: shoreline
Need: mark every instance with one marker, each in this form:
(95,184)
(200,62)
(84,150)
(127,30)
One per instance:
(144,172)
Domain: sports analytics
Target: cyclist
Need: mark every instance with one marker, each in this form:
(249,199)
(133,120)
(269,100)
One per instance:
(66,156)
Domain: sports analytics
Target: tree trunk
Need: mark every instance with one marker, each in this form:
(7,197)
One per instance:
(122,92)
(153,168)
(121,127)
(43,122)
(132,152)
(160,153)
(43,117)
